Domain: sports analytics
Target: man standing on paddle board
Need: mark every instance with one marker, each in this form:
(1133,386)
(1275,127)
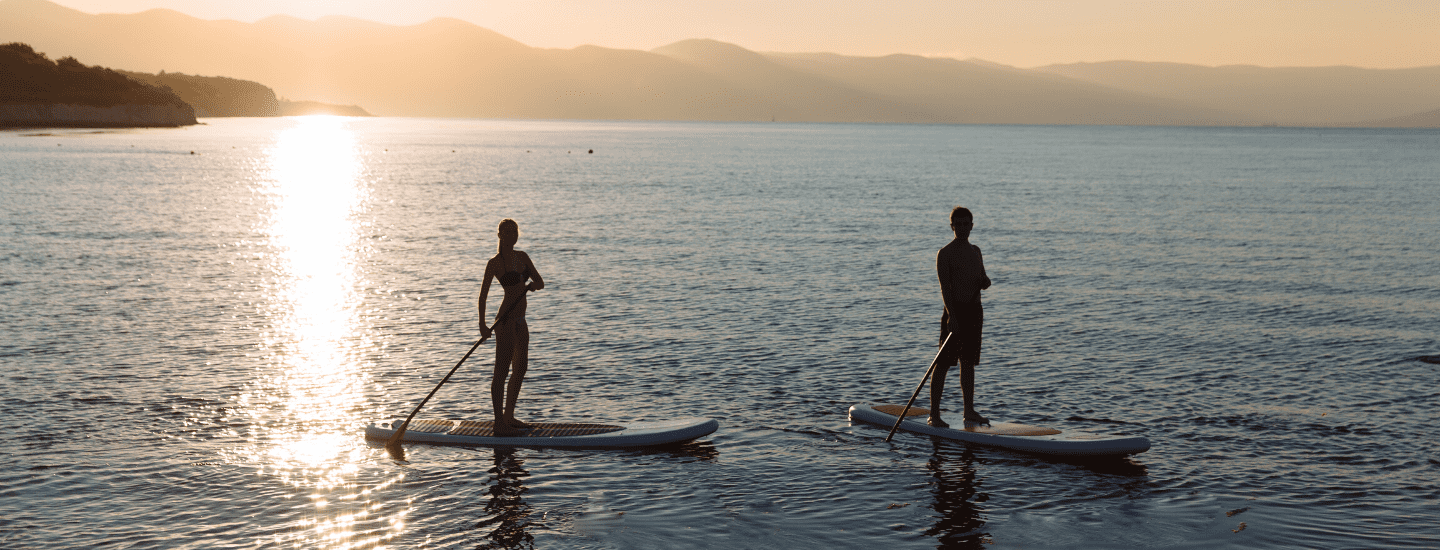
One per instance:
(962,277)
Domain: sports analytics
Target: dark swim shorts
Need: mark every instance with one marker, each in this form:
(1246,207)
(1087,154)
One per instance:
(966,347)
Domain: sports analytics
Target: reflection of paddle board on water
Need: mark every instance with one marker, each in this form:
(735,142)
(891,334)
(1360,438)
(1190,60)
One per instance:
(548,434)
(1019,437)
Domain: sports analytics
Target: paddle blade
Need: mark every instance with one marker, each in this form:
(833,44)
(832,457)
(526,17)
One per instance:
(393,446)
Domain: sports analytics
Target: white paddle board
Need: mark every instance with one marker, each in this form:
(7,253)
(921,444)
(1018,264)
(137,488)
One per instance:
(1010,435)
(548,434)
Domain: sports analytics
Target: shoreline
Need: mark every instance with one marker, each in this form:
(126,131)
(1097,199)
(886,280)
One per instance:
(63,115)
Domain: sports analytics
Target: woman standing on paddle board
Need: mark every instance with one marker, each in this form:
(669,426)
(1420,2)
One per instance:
(962,277)
(517,275)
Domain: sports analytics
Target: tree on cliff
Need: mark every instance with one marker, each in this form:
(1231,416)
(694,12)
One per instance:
(28,77)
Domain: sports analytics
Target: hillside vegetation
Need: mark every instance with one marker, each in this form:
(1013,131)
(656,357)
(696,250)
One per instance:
(215,96)
(29,77)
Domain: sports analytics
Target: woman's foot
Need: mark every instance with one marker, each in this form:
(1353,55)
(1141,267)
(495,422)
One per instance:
(935,421)
(503,429)
(516,423)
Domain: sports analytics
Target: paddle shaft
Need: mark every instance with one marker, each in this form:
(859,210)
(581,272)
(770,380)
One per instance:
(928,371)
(400,432)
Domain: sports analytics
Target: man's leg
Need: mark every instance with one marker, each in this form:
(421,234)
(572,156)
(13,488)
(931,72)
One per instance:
(937,389)
(969,359)
(967,388)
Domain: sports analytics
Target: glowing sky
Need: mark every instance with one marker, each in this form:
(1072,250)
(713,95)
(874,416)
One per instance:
(1025,33)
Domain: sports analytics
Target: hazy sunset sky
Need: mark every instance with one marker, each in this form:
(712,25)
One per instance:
(1024,33)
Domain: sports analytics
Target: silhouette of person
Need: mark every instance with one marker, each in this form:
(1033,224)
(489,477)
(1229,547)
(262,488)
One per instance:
(517,275)
(962,276)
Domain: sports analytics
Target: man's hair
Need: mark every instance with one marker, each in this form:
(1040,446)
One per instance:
(959,213)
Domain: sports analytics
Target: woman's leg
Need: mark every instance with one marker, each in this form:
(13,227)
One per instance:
(504,352)
(520,361)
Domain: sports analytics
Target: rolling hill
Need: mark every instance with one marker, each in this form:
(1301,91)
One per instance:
(448,67)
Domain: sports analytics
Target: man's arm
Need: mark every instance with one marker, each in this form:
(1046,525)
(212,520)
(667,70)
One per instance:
(945,269)
(984,277)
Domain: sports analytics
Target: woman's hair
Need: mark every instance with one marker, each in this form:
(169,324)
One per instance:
(508,225)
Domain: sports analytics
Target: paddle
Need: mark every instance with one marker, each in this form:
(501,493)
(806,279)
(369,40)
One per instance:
(393,445)
(917,388)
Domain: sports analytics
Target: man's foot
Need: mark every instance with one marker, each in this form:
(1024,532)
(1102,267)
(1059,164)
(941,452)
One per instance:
(935,421)
(972,417)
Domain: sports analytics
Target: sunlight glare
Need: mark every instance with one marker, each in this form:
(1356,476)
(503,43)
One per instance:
(314,378)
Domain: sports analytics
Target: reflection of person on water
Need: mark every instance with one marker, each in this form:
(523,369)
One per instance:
(517,275)
(957,498)
(962,277)
(507,509)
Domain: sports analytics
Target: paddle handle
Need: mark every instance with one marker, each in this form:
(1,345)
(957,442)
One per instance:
(394,441)
(926,378)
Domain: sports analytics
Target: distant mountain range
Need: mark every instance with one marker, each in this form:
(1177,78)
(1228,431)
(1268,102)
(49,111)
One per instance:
(447,67)
(1286,95)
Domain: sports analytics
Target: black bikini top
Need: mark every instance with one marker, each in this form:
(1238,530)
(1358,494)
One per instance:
(512,278)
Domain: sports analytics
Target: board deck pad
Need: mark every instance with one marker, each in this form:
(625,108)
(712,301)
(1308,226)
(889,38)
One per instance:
(1009,428)
(486,428)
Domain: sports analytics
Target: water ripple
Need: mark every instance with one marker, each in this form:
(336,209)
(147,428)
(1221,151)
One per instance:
(193,344)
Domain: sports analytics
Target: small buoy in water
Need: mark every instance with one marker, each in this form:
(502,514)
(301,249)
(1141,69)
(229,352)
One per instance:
(592,151)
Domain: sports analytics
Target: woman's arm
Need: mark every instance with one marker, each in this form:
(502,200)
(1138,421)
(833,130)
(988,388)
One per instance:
(485,293)
(536,283)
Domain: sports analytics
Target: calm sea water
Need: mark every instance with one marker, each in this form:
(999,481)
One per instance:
(193,343)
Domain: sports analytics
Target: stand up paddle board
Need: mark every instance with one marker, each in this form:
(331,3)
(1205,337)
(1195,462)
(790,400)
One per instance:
(1019,437)
(548,434)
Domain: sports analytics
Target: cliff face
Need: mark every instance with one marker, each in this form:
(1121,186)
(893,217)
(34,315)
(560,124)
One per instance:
(89,116)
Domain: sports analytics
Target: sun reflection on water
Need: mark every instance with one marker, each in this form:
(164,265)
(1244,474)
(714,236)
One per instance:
(313,380)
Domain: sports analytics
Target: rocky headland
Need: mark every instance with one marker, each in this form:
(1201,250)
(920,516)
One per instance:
(38,92)
(219,96)
(215,96)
